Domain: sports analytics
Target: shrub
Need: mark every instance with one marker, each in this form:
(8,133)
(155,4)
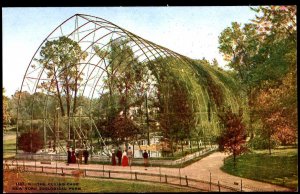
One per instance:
(30,141)
(259,142)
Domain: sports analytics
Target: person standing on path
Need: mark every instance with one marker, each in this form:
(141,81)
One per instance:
(73,157)
(69,156)
(129,155)
(119,155)
(145,156)
(113,158)
(80,155)
(124,159)
(85,155)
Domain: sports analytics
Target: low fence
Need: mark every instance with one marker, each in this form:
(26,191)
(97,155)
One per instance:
(200,185)
(196,154)
(97,158)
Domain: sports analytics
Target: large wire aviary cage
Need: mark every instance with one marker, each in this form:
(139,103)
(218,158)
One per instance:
(88,71)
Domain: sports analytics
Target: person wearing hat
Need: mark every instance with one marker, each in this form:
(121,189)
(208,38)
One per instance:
(113,157)
(85,155)
(129,155)
(119,156)
(69,156)
(145,156)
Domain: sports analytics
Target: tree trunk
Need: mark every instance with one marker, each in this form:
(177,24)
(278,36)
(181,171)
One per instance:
(234,161)
(75,92)
(250,105)
(68,97)
(125,101)
(181,147)
(269,143)
(172,148)
(59,95)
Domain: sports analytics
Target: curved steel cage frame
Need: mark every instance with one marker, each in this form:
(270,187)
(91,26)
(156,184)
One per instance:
(89,31)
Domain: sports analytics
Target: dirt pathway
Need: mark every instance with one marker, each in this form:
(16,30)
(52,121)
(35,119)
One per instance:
(213,163)
(198,170)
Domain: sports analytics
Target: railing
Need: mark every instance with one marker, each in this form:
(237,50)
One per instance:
(96,158)
(128,175)
(196,154)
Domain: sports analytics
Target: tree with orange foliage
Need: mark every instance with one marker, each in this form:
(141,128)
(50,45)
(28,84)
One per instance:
(233,135)
(277,109)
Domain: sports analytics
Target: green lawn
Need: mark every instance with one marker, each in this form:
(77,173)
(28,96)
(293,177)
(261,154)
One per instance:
(104,185)
(9,147)
(278,168)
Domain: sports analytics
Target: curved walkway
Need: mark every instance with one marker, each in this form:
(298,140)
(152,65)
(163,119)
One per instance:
(213,163)
(199,170)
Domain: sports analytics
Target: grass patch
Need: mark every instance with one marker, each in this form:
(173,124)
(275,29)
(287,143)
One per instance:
(8,155)
(279,168)
(102,185)
(9,147)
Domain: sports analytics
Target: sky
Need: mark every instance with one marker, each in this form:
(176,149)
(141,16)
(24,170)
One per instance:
(190,31)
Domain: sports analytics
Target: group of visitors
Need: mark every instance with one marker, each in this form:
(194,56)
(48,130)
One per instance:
(73,158)
(125,158)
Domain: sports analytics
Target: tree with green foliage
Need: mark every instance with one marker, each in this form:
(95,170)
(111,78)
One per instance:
(24,106)
(5,111)
(215,62)
(175,103)
(177,116)
(126,82)
(276,103)
(262,53)
(239,46)
(61,59)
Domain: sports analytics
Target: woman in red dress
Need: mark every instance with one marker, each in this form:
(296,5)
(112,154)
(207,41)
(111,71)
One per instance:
(73,157)
(124,159)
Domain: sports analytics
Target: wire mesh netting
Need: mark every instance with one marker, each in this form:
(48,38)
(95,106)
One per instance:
(88,69)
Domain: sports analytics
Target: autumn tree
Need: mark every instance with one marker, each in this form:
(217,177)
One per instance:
(233,136)
(278,22)
(277,108)
(124,130)
(61,59)
(276,103)
(262,53)
(30,141)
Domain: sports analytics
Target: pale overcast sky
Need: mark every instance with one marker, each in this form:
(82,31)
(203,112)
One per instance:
(191,31)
